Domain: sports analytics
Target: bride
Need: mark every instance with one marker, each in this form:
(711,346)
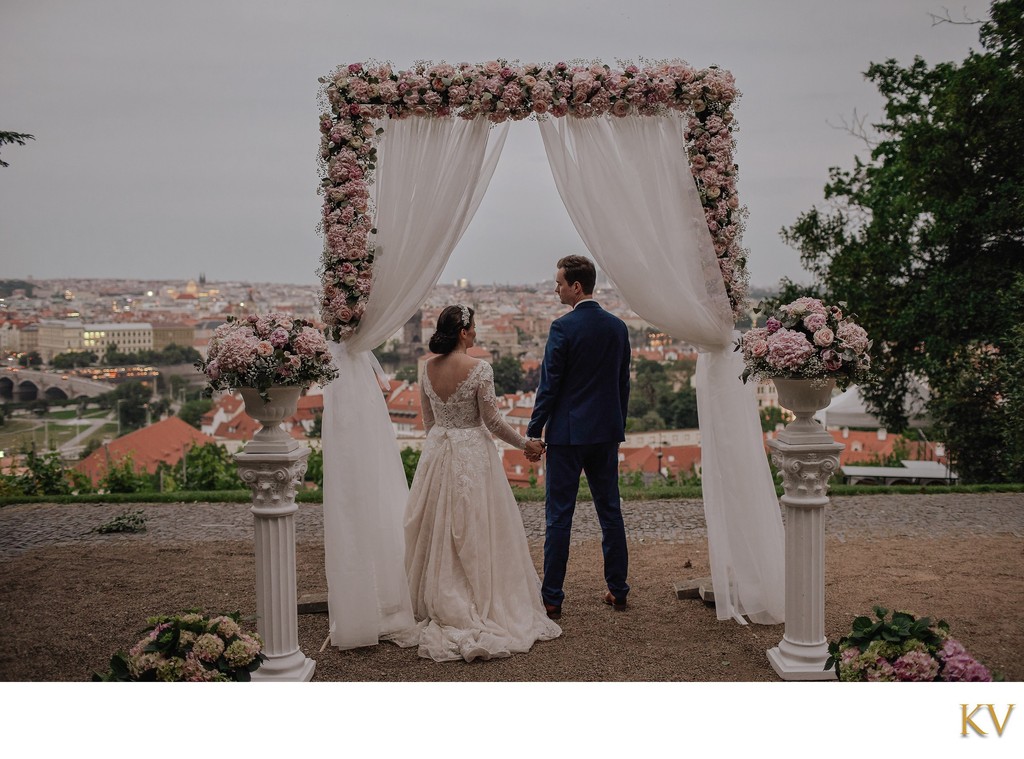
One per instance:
(475,590)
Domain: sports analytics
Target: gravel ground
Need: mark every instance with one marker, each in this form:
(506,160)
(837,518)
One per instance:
(72,597)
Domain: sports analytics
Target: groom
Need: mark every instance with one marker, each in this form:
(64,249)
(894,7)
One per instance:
(581,408)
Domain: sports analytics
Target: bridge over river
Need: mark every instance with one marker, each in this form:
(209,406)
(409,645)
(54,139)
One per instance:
(17,384)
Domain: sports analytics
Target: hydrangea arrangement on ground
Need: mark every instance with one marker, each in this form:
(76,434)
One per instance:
(264,350)
(902,648)
(189,647)
(807,339)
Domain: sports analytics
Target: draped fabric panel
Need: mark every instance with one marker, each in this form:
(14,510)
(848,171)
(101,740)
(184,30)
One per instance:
(431,175)
(627,186)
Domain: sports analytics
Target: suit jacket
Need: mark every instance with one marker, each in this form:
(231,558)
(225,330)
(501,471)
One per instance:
(584,381)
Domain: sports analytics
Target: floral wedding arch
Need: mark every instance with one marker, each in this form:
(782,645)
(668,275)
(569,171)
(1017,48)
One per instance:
(360,94)
(666,227)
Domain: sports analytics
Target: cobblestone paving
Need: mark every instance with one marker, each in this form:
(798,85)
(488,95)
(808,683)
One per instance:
(28,526)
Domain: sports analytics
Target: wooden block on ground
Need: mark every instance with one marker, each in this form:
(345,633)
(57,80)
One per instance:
(690,588)
(313,603)
(707,593)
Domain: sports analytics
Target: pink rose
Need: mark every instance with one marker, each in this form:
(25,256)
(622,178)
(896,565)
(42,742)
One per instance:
(279,338)
(833,361)
(773,325)
(815,321)
(823,337)
(264,348)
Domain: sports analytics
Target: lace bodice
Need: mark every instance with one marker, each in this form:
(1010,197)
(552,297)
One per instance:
(472,402)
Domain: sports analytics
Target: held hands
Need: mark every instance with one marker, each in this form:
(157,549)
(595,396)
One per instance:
(534,450)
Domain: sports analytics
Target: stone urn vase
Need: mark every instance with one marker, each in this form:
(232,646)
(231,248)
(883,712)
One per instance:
(282,403)
(804,397)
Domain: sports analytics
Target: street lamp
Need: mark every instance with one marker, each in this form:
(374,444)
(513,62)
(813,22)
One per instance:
(661,453)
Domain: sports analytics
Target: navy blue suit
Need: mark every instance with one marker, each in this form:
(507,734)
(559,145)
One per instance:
(581,408)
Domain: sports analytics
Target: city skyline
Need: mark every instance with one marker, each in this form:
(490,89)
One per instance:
(185,136)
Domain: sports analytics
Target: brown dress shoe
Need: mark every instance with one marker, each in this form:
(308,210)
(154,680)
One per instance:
(614,602)
(554,612)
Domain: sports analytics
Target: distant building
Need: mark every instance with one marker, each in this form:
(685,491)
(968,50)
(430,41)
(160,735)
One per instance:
(126,337)
(60,336)
(172,333)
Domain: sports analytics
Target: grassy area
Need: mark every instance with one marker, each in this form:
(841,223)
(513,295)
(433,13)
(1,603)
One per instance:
(20,434)
(653,493)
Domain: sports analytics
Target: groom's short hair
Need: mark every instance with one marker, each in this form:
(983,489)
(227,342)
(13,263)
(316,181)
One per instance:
(579,269)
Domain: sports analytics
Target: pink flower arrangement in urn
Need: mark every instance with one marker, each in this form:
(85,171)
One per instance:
(261,351)
(807,339)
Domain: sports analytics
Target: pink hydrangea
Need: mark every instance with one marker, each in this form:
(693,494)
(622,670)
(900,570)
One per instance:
(880,671)
(853,337)
(965,668)
(788,349)
(960,666)
(208,647)
(802,306)
(236,352)
(916,666)
(309,342)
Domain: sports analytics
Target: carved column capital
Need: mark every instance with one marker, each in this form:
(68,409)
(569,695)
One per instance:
(805,474)
(273,480)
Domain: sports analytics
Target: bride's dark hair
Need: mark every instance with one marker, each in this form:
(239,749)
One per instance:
(449,323)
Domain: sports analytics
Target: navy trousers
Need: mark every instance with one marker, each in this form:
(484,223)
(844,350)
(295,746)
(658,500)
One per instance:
(565,463)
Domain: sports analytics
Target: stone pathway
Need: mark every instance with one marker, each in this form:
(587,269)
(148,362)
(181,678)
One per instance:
(28,526)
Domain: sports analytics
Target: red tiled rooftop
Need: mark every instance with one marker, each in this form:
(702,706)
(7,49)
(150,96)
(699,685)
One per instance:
(166,441)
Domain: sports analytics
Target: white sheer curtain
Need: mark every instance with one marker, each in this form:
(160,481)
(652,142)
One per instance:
(431,176)
(627,186)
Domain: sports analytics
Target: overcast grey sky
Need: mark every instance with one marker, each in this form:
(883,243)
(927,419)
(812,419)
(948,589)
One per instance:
(174,138)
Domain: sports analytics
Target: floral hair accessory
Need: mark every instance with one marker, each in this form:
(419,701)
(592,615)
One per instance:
(465,315)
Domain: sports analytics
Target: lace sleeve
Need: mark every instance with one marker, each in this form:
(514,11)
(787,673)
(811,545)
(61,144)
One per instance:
(487,403)
(425,408)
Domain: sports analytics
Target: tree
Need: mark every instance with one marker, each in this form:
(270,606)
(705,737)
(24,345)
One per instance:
(407,374)
(771,417)
(531,379)
(410,460)
(73,359)
(508,375)
(315,467)
(13,138)
(921,238)
(192,411)
(32,358)
(129,400)
(122,477)
(209,467)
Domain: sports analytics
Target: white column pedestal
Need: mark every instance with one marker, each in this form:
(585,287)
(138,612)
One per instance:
(806,462)
(273,479)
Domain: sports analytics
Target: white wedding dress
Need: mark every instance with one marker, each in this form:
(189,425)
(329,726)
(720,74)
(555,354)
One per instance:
(475,590)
